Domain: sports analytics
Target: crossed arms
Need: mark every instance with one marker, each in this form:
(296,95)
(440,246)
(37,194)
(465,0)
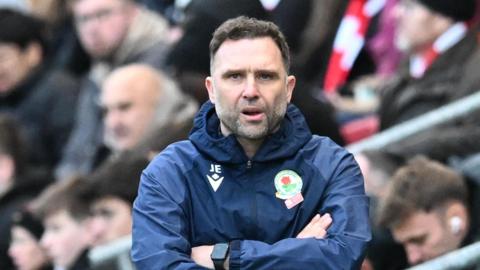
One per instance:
(317,228)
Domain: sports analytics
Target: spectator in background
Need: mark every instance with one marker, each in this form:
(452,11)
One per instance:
(426,209)
(19,183)
(25,249)
(64,49)
(451,75)
(42,100)
(378,167)
(139,102)
(112,190)
(114,33)
(442,51)
(66,218)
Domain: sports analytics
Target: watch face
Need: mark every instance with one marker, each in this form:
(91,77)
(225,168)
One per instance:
(219,251)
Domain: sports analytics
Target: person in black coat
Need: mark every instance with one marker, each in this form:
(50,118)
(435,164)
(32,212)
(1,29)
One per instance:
(42,100)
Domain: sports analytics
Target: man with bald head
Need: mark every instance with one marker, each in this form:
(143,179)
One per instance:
(129,104)
(137,101)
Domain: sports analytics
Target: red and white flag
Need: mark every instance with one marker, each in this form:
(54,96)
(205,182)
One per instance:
(349,40)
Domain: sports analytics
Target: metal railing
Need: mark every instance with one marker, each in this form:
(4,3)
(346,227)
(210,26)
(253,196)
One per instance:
(456,260)
(117,252)
(423,122)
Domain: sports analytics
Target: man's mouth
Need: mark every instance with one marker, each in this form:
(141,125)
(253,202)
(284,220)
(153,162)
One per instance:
(253,114)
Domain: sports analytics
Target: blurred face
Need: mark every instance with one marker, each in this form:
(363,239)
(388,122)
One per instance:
(128,110)
(102,24)
(25,250)
(425,236)
(112,219)
(64,238)
(249,87)
(15,65)
(415,26)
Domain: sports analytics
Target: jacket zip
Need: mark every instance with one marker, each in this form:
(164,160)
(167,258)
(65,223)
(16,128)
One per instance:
(254,224)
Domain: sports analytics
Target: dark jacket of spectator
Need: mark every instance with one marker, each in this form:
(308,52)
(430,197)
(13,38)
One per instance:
(405,97)
(44,104)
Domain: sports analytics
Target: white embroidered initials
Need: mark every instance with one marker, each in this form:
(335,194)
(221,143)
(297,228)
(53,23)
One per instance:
(215,179)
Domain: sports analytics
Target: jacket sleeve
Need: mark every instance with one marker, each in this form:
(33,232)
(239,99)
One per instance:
(347,238)
(160,225)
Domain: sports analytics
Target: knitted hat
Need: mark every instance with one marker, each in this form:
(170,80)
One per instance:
(26,220)
(458,10)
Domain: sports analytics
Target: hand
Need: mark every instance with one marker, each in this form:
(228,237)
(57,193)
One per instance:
(317,227)
(201,256)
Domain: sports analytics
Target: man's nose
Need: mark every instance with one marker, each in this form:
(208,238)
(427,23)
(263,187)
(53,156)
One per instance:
(414,254)
(250,88)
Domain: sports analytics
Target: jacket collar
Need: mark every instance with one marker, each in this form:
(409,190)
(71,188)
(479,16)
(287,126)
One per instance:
(205,135)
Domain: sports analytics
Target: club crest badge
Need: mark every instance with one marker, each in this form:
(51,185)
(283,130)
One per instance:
(288,184)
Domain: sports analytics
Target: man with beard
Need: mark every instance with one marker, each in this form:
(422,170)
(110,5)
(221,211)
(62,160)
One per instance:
(252,188)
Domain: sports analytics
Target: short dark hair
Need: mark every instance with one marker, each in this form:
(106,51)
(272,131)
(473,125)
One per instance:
(118,177)
(21,29)
(65,195)
(248,28)
(421,185)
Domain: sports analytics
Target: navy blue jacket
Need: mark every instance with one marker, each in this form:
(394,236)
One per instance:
(177,208)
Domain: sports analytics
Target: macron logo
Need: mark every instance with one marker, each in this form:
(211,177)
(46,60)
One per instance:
(215,178)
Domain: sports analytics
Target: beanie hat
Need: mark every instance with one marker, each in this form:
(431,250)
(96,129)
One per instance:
(26,220)
(458,10)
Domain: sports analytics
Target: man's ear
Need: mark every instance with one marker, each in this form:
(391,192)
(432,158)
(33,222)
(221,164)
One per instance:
(456,216)
(34,54)
(291,80)
(210,89)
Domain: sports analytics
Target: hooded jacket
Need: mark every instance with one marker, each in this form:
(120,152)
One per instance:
(177,207)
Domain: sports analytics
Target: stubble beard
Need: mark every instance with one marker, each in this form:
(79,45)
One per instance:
(251,131)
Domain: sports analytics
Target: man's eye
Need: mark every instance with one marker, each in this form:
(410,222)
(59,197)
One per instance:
(105,213)
(265,76)
(235,76)
(418,240)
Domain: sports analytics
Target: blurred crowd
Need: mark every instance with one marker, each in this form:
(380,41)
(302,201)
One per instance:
(91,90)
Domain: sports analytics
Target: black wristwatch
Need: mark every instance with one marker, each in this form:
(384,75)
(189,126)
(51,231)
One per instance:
(219,255)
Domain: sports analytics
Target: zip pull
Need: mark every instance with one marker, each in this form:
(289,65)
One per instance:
(249,164)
